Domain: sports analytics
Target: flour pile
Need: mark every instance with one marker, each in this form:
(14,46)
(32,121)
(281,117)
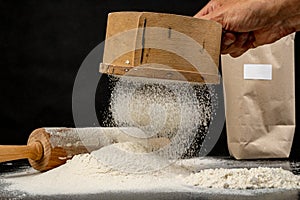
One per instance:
(130,158)
(254,178)
(84,174)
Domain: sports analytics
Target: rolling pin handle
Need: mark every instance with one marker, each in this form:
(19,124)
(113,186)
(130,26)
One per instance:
(32,151)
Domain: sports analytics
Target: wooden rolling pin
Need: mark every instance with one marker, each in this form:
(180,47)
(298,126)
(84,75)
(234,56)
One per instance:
(48,148)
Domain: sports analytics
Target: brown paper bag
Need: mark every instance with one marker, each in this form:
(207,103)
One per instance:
(259,93)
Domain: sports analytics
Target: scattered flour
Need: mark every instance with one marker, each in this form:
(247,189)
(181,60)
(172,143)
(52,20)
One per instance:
(254,178)
(84,174)
(177,112)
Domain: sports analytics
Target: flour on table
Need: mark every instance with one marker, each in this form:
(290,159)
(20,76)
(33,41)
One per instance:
(254,178)
(85,174)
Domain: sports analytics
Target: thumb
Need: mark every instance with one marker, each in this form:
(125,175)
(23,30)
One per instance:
(208,8)
(202,13)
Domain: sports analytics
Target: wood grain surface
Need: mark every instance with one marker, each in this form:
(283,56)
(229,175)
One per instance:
(163,44)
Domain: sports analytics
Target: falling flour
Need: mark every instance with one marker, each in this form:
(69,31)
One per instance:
(179,111)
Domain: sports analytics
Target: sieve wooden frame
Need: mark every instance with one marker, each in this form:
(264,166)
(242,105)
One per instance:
(138,62)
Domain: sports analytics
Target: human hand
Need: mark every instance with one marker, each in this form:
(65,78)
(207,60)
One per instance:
(239,43)
(240,16)
(233,14)
(251,23)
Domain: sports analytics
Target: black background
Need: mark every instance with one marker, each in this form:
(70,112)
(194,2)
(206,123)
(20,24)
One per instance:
(43,44)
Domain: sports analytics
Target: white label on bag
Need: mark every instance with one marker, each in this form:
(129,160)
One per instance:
(258,71)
